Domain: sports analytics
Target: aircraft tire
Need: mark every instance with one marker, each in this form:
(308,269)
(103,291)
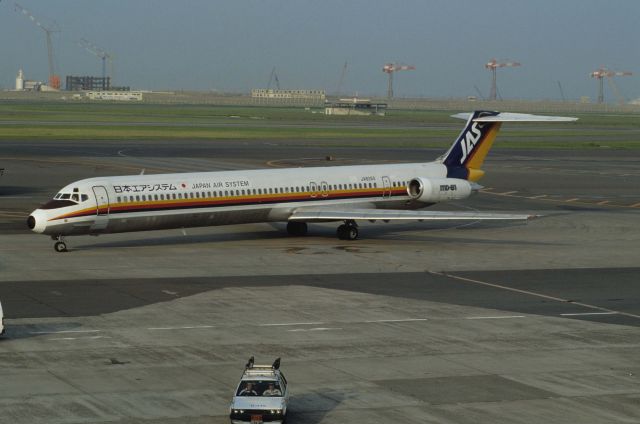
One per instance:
(297,228)
(351,232)
(342,232)
(60,246)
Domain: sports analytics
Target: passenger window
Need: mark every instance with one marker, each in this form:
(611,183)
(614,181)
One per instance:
(131,198)
(243,192)
(174,196)
(208,194)
(137,198)
(117,198)
(238,192)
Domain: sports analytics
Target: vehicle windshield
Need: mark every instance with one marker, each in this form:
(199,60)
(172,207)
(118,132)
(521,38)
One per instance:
(268,388)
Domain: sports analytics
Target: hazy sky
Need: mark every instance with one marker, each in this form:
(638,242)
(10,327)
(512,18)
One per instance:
(232,45)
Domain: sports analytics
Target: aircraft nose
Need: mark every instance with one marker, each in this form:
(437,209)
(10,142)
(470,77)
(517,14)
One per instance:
(37,221)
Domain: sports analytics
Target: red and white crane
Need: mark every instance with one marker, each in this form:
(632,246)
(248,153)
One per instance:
(54,80)
(493,65)
(391,68)
(603,73)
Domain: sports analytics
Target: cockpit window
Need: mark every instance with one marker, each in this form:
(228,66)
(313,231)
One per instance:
(57,196)
(55,204)
(65,196)
(84,197)
(75,197)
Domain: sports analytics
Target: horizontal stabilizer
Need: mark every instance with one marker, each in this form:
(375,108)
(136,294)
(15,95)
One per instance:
(515,117)
(323,215)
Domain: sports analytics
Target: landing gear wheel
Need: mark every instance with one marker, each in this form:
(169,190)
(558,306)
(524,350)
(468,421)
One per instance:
(347,232)
(297,228)
(60,246)
(352,232)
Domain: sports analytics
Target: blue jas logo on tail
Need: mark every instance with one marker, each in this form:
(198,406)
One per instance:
(471,137)
(461,153)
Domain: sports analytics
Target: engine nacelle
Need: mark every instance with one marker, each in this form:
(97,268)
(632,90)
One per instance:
(432,190)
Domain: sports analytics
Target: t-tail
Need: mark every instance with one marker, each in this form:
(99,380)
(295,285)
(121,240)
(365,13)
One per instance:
(466,155)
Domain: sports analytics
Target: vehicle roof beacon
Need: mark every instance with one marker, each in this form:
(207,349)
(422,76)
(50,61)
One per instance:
(249,363)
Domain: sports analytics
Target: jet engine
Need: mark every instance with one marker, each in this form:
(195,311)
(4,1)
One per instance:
(432,190)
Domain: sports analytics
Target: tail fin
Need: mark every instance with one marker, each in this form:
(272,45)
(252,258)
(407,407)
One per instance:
(466,155)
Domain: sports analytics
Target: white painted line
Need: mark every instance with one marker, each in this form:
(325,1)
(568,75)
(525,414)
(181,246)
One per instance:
(65,331)
(530,293)
(589,313)
(169,292)
(538,196)
(604,202)
(397,320)
(572,200)
(506,193)
(187,327)
(315,329)
(498,317)
(82,338)
(291,323)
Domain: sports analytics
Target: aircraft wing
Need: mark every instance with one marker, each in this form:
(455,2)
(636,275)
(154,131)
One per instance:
(323,215)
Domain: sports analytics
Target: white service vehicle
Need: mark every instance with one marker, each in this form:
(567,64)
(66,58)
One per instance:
(261,396)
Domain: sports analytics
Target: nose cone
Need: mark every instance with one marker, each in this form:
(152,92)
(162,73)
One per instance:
(37,221)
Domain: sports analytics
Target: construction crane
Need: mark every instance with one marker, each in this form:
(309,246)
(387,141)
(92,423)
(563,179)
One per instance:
(391,68)
(603,73)
(273,78)
(100,53)
(493,65)
(54,80)
(342,75)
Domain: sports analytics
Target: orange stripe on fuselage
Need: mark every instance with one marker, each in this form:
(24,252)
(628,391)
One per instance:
(229,200)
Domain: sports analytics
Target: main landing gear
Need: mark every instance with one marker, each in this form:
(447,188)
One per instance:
(348,230)
(60,245)
(296,228)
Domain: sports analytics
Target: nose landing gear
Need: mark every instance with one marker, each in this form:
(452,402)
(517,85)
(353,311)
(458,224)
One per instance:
(60,245)
(348,230)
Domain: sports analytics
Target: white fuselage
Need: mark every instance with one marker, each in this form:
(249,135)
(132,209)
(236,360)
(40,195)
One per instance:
(151,202)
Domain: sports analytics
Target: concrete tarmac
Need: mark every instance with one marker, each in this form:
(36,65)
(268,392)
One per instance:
(413,323)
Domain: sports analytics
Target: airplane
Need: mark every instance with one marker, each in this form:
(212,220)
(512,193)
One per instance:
(297,196)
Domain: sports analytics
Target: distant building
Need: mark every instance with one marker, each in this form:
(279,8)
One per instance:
(355,106)
(115,95)
(87,83)
(302,96)
(23,84)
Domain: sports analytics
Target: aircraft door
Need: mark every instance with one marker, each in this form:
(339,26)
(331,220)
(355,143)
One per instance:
(102,200)
(386,187)
(324,189)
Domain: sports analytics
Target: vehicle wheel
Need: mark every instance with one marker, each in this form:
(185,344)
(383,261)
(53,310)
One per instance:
(351,233)
(60,246)
(297,228)
(342,232)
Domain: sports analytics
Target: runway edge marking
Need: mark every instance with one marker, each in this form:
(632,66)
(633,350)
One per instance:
(531,293)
